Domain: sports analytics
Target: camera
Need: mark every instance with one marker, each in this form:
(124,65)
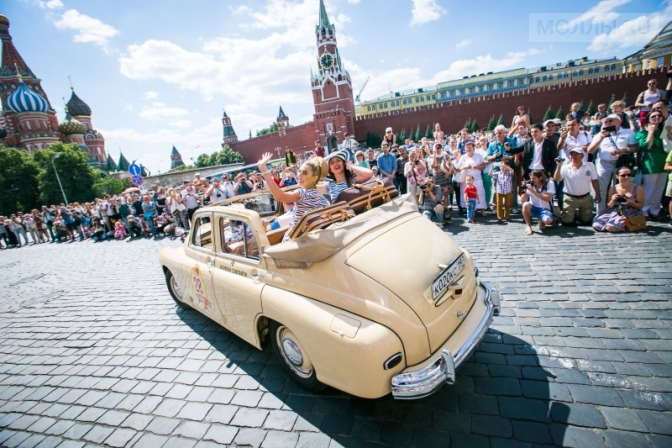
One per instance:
(559,159)
(621,198)
(423,186)
(417,162)
(609,128)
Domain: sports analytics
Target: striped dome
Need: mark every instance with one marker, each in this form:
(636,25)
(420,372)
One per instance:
(70,126)
(25,100)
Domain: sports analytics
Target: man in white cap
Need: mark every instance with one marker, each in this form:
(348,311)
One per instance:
(578,176)
(612,142)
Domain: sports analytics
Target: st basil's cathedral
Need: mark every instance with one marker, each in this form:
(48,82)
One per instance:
(28,121)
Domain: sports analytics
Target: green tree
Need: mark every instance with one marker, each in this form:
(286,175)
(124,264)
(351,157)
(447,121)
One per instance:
(581,106)
(428,133)
(529,114)
(467,124)
(418,134)
(402,136)
(399,140)
(491,124)
(184,168)
(561,114)
(225,157)
(549,114)
(108,185)
(76,175)
(625,99)
(18,181)
(591,108)
(613,98)
(474,126)
(376,141)
(202,161)
(369,139)
(501,120)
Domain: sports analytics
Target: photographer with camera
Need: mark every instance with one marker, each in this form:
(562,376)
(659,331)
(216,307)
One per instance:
(415,171)
(578,176)
(537,194)
(625,200)
(611,143)
(216,193)
(430,200)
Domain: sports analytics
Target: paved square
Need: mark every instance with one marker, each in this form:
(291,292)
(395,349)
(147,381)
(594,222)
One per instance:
(93,352)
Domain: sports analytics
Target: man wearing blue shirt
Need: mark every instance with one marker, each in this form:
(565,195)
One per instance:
(387,163)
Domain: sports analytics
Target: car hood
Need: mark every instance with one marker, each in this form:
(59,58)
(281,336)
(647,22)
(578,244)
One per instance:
(422,251)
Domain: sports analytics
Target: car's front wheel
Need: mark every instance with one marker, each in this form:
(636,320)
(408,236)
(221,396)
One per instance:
(174,290)
(293,357)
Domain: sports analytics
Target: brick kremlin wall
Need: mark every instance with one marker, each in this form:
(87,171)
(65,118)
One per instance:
(299,138)
(452,115)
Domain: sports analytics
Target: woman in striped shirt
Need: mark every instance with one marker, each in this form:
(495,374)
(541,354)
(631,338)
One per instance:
(342,174)
(306,198)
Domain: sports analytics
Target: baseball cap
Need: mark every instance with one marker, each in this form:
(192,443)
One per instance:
(576,150)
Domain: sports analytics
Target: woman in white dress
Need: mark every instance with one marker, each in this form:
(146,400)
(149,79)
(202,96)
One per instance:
(472,164)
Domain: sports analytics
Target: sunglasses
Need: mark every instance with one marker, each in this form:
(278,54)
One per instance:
(652,83)
(625,175)
(656,116)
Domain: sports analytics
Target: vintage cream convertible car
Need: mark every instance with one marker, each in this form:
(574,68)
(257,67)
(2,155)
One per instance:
(385,302)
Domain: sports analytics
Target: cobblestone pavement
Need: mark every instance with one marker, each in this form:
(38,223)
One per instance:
(93,352)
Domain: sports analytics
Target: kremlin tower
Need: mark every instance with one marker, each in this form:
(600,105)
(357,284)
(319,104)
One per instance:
(29,120)
(230,136)
(176,158)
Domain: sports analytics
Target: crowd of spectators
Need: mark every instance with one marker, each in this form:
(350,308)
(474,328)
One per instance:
(597,171)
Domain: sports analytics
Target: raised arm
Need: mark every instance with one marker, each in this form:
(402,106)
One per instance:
(278,194)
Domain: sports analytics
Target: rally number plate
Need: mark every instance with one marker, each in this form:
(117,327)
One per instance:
(447,276)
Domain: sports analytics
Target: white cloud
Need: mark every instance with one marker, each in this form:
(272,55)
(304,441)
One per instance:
(150,95)
(635,32)
(160,113)
(461,45)
(222,68)
(426,11)
(242,9)
(88,29)
(50,4)
(602,12)
(353,2)
(152,149)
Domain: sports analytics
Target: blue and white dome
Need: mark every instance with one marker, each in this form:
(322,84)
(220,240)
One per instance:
(25,100)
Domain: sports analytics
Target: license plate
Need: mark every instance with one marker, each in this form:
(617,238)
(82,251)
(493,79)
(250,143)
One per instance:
(447,276)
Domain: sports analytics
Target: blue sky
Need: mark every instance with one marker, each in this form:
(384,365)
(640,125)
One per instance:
(160,73)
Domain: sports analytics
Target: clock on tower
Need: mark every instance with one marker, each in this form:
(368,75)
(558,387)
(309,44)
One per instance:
(326,61)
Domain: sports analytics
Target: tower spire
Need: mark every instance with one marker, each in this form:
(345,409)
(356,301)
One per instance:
(12,62)
(324,19)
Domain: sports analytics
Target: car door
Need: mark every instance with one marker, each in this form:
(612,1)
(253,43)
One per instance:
(239,276)
(201,261)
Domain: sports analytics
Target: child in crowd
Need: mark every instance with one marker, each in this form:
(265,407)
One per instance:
(470,198)
(503,190)
(119,230)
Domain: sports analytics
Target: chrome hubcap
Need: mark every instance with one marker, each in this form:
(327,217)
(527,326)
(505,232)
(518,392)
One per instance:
(175,287)
(292,353)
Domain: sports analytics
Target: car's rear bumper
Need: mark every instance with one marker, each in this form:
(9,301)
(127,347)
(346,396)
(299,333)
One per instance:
(427,377)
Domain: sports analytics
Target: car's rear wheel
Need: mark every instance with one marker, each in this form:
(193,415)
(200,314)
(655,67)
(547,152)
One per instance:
(174,290)
(293,357)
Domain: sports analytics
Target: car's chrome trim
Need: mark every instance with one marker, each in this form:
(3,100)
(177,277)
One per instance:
(425,381)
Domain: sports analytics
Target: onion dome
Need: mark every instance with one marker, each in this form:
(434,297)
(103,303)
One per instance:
(70,126)
(25,100)
(77,107)
(4,20)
